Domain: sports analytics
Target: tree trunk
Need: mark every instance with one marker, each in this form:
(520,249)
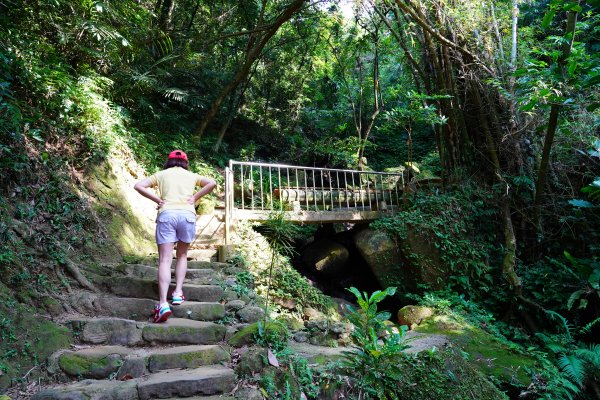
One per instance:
(252,54)
(540,183)
(166,14)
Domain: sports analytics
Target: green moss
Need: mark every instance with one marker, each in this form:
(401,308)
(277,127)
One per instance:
(26,339)
(493,357)
(248,334)
(444,376)
(88,366)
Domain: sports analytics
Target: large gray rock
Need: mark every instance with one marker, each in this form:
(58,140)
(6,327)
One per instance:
(177,330)
(405,264)
(111,331)
(202,380)
(251,314)
(381,254)
(325,257)
(251,361)
(133,366)
(91,390)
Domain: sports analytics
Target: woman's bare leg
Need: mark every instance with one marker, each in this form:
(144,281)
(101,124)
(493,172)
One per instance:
(165,259)
(181,266)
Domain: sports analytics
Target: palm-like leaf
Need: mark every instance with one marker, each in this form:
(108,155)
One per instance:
(573,367)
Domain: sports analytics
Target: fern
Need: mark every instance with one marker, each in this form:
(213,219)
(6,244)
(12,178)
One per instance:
(573,367)
(586,329)
(553,315)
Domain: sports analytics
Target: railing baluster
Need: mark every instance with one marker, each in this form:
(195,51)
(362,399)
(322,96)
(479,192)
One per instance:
(306,188)
(330,192)
(322,191)
(376,195)
(314,189)
(354,188)
(297,186)
(262,202)
(280,193)
(270,194)
(242,182)
(339,191)
(367,191)
(252,188)
(346,190)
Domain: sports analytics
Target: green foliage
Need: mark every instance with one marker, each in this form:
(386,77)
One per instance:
(579,363)
(458,224)
(273,335)
(373,366)
(294,379)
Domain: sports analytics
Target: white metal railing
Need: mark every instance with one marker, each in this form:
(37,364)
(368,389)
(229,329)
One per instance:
(254,188)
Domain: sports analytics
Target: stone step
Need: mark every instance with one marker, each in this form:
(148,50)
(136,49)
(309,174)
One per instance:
(202,276)
(108,305)
(202,255)
(131,286)
(104,361)
(184,331)
(206,380)
(117,331)
(215,265)
(91,389)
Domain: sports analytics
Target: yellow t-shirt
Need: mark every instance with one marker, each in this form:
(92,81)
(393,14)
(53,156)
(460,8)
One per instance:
(175,186)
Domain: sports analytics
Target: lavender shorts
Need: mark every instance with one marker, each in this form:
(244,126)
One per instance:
(175,226)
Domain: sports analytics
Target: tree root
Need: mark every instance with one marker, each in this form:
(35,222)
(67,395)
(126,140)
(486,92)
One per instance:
(78,276)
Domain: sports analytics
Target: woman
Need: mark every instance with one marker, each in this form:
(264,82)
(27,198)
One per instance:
(175,223)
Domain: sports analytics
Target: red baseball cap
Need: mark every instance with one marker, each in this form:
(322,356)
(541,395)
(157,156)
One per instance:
(178,154)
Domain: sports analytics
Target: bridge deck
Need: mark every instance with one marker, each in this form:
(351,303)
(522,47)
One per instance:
(305,216)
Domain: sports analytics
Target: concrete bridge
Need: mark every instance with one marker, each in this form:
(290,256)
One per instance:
(254,191)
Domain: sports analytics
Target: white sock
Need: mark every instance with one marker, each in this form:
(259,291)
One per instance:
(162,305)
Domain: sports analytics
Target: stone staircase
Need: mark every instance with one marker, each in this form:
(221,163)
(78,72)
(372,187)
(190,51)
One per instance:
(119,354)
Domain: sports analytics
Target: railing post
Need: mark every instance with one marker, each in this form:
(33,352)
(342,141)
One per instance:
(228,202)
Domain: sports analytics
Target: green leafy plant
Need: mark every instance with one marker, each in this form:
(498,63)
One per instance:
(280,235)
(374,365)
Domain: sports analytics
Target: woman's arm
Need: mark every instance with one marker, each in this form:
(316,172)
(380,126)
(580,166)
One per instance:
(207,186)
(143,188)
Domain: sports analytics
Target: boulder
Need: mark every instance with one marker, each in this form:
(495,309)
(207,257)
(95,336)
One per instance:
(406,264)
(325,256)
(413,315)
(248,393)
(252,361)
(251,314)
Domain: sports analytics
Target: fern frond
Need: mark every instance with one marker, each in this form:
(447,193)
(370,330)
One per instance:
(590,355)
(574,297)
(586,329)
(573,367)
(553,315)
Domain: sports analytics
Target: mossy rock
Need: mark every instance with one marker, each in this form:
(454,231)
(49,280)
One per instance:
(503,361)
(413,315)
(252,362)
(37,337)
(248,334)
(99,366)
(441,376)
